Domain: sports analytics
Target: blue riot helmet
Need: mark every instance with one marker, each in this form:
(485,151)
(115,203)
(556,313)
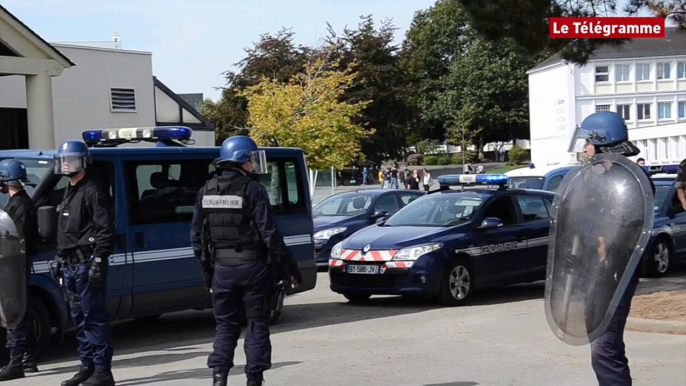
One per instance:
(71,158)
(12,172)
(607,132)
(240,149)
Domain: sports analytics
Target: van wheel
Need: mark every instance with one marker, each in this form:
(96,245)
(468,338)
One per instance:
(457,284)
(42,325)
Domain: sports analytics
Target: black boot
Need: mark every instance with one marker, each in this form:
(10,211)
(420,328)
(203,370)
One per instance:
(13,370)
(100,378)
(255,380)
(4,354)
(29,362)
(220,379)
(84,373)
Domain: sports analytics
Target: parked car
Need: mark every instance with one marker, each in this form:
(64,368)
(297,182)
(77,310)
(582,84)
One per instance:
(343,214)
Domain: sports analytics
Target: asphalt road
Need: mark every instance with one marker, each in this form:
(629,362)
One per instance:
(501,339)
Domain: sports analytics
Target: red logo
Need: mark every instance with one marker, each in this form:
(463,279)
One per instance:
(607,27)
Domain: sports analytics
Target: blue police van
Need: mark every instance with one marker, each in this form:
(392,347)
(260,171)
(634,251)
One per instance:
(152,192)
(543,178)
(343,214)
(448,243)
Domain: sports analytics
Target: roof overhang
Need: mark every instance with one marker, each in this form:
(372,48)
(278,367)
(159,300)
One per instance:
(33,55)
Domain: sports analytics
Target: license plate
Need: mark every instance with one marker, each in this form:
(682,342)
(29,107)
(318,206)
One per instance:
(364,269)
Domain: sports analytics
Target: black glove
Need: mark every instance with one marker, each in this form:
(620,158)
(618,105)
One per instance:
(207,276)
(56,268)
(96,277)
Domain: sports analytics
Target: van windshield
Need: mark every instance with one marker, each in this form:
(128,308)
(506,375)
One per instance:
(527,182)
(37,170)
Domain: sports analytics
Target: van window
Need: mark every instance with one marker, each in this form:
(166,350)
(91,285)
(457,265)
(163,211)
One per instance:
(285,184)
(554,182)
(164,191)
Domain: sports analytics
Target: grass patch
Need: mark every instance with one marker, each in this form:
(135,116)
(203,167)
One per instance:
(504,169)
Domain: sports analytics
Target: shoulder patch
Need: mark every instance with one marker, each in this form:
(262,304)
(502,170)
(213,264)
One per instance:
(222,202)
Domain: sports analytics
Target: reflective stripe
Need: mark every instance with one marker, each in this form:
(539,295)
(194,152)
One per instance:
(353,255)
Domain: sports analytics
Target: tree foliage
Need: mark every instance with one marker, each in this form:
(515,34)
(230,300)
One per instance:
(307,112)
(527,22)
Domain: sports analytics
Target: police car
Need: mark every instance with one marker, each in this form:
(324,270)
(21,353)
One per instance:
(343,214)
(668,238)
(532,177)
(448,243)
(152,192)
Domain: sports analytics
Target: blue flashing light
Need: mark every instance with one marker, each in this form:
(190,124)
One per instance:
(471,179)
(160,133)
(531,165)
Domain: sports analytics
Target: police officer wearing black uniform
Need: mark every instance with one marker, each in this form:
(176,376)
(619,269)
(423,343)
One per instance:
(21,210)
(85,241)
(238,244)
(681,184)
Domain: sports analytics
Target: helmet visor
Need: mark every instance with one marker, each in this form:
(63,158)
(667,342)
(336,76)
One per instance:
(258,159)
(68,163)
(579,140)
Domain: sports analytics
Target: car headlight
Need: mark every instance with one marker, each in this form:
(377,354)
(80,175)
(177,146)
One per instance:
(336,251)
(414,253)
(327,233)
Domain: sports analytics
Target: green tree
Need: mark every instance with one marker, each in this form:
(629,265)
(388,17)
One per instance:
(379,80)
(307,113)
(273,56)
(527,22)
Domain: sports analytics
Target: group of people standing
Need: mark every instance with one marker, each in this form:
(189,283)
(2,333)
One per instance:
(393,178)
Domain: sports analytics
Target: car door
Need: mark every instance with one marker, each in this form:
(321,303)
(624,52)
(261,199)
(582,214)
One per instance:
(502,254)
(536,220)
(161,197)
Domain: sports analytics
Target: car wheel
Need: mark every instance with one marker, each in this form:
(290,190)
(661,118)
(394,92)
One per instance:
(357,298)
(457,283)
(42,323)
(657,263)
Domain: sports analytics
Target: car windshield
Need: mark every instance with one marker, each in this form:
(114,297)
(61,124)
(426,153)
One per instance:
(661,195)
(527,182)
(343,205)
(37,170)
(439,210)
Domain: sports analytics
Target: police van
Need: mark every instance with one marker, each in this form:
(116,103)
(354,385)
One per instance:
(152,192)
(543,178)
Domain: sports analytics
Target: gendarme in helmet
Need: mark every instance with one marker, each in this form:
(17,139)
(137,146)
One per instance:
(71,158)
(606,132)
(238,150)
(12,173)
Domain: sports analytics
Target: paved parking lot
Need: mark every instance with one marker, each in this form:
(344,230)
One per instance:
(501,339)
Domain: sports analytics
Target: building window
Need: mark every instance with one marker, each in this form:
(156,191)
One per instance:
(664,110)
(624,111)
(602,108)
(642,71)
(602,73)
(664,70)
(681,70)
(622,73)
(123,99)
(643,111)
(682,109)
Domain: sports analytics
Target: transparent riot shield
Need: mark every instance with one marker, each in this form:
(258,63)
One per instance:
(601,221)
(13,275)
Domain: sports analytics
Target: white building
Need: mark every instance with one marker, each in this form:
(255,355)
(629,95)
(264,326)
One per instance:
(88,88)
(644,81)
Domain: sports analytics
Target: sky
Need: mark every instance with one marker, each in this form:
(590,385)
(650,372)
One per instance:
(194,41)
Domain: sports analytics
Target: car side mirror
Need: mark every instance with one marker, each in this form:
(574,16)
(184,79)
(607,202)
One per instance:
(491,222)
(381,220)
(380,213)
(47,222)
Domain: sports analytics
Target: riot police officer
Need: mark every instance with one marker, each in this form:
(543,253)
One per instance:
(22,211)
(85,240)
(236,241)
(608,134)
(681,184)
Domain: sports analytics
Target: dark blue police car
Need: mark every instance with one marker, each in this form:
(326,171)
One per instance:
(668,241)
(343,214)
(448,243)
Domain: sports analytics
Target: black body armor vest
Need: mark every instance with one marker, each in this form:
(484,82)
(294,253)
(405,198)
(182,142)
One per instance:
(230,229)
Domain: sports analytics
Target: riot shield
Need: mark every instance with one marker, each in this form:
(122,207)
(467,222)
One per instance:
(601,221)
(13,275)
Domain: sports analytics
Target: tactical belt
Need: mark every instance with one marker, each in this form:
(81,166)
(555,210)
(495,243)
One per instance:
(79,255)
(231,257)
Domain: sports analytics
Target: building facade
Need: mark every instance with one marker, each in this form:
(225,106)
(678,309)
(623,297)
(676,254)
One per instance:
(644,81)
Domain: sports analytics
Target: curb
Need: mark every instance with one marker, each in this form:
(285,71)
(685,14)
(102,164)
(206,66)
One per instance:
(662,326)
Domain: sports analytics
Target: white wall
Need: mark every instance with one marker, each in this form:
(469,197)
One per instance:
(552,111)
(81,94)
